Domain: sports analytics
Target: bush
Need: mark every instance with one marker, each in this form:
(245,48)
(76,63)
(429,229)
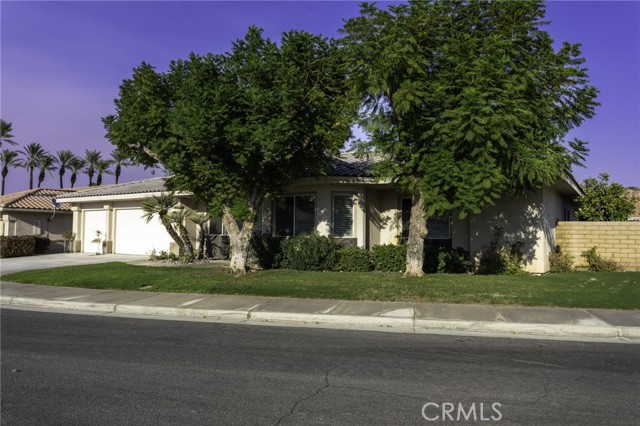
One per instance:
(308,253)
(264,250)
(498,260)
(162,256)
(596,263)
(354,259)
(560,262)
(17,246)
(42,244)
(456,261)
(389,258)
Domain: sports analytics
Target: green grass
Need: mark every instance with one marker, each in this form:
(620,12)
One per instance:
(615,290)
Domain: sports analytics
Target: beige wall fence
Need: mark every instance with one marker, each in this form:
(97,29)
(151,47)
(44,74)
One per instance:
(617,240)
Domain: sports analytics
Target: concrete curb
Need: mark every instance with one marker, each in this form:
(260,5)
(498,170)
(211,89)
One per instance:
(408,323)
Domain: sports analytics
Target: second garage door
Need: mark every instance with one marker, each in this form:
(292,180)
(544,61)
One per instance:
(135,236)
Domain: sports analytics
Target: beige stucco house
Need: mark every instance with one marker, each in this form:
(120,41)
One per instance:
(349,204)
(32,212)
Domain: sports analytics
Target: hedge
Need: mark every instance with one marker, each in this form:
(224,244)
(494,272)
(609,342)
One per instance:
(22,245)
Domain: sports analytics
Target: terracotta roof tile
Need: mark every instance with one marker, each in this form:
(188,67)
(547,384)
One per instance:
(35,199)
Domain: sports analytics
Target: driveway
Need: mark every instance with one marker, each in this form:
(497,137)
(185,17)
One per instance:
(17,264)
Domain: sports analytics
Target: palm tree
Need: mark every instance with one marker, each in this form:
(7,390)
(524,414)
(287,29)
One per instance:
(91,158)
(120,159)
(46,163)
(75,166)
(8,159)
(201,219)
(32,154)
(160,206)
(177,219)
(102,167)
(5,133)
(63,159)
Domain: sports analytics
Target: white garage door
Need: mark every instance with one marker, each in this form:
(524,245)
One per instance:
(94,220)
(135,236)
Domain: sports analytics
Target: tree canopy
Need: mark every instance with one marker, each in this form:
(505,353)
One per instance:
(233,128)
(604,201)
(465,101)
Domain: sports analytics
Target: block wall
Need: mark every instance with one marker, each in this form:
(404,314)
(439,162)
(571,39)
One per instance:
(617,240)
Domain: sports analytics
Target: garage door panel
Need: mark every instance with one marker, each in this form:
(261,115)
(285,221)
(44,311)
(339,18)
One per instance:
(94,220)
(133,235)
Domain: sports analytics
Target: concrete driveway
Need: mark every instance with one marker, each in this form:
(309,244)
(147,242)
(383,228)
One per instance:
(17,264)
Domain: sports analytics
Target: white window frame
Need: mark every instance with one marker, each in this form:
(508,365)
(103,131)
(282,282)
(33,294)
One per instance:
(37,227)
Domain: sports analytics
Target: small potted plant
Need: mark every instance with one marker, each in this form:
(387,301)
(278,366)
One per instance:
(98,242)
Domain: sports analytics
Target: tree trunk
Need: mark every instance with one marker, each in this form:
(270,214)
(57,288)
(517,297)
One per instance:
(184,236)
(2,185)
(61,175)
(417,234)
(239,240)
(174,235)
(201,243)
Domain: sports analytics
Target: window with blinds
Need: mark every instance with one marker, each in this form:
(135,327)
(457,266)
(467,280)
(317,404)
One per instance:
(295,215)
(343,215)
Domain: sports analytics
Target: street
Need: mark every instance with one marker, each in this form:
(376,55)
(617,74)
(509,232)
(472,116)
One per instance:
(69,369)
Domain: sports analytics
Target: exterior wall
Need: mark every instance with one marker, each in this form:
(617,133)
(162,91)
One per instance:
(617,240)
(24,223)
(390,217)
(324,199)
(521,220)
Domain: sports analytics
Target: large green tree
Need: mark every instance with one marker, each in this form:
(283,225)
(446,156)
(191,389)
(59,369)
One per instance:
(465,102)
(235,128)
(604,201)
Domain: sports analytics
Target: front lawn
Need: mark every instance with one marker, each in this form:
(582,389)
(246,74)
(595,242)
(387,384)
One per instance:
(615,290)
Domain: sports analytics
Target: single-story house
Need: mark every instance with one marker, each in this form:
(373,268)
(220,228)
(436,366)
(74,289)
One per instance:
(32,212)
(349,203)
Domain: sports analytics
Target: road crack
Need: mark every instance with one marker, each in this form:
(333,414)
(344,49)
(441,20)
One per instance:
(308,397)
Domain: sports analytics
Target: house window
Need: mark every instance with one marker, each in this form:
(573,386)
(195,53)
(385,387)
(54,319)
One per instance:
(37,227)
(438,228)
(295,215)
(566,215)
(343,215)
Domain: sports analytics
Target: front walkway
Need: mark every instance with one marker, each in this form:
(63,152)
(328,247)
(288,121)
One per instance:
(43,261)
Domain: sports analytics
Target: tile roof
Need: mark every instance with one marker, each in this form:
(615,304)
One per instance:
(137,187)
(35,199)
(346,165)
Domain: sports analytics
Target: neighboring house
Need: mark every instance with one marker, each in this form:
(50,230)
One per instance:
(349,204)
(32,212)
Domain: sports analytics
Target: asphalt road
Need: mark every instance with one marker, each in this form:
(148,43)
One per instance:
(63,369)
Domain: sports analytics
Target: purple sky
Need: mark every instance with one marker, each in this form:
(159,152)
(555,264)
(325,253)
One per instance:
(62,63)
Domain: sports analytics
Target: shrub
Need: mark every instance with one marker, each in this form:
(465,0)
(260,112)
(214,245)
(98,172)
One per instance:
(389,258)
(456,261)
(162,255)
(597,263)
(264,250)
(308,253)
(42,244)
(560,262)
(17,246)
(354,259)
(499,260)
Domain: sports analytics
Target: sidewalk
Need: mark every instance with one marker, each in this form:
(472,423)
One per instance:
(387,316)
